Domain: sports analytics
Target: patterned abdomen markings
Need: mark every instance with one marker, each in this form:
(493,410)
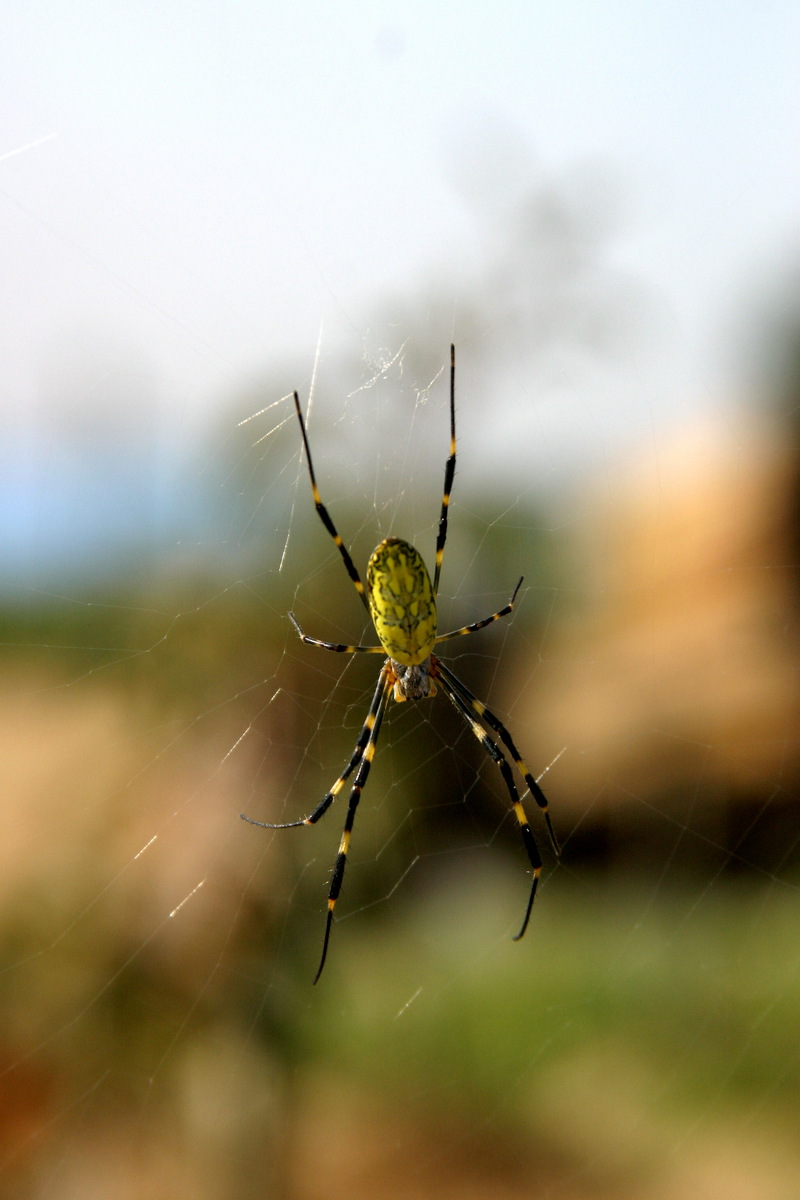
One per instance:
(401,602)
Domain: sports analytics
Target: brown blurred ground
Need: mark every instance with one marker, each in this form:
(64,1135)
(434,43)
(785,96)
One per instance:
(680,662)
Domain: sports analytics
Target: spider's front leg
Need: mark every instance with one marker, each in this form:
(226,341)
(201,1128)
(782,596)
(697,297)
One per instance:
(373,725)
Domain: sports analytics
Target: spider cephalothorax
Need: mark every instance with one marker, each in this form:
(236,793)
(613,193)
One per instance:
(401,600)
(414,682)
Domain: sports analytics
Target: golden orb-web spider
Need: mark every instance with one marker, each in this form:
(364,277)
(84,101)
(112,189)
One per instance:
(401,601)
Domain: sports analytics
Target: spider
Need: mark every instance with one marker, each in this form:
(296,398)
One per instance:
(401,601)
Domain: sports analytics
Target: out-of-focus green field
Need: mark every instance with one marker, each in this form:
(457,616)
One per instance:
(640,1043)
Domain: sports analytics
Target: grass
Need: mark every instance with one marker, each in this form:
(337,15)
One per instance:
(685,1003)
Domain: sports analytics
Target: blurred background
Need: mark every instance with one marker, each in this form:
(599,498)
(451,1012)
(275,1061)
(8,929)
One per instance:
(205,207)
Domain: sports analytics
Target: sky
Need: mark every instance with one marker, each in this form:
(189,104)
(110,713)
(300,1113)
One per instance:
(192,191)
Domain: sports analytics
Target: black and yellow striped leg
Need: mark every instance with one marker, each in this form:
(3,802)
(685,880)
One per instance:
(324,515)
(367,732)
(494,752)
(379,707)
(503,612)
(485,714)
(335,646)
(449,472)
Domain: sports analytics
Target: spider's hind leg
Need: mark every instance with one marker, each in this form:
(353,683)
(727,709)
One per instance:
(325,516)
(449,474)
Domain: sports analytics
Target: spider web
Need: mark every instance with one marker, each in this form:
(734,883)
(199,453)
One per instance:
(161,1033)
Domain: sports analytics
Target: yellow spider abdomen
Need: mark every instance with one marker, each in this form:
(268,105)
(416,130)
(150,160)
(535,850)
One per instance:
(401,602)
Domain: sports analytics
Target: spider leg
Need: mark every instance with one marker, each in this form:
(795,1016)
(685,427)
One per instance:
(485,714)
(449,472)
(335,646)
(491,748)
(367,732)
(324,515)
(379,703)
(503,612)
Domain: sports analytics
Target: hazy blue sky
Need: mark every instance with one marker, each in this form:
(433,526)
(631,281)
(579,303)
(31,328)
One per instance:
(221,181)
